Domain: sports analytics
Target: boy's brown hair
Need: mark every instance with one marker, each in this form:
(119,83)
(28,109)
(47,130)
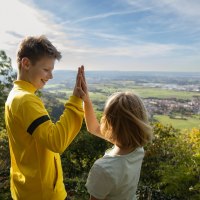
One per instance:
(125,121)
(35,48)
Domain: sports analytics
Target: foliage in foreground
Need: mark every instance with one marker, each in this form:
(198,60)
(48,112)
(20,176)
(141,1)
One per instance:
(6,78)
(170,170)
(172,163)
(4,167)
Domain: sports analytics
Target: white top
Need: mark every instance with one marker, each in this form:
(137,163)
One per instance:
(115,177)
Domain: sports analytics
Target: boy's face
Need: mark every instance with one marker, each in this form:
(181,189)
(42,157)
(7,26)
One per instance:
(40,72)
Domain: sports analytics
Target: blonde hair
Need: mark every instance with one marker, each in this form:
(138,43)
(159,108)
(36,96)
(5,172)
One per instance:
(125,121)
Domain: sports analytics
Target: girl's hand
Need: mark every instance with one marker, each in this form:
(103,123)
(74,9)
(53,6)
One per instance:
(77,87)
(84,88)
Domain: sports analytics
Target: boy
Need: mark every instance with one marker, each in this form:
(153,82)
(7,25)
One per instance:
(35,142)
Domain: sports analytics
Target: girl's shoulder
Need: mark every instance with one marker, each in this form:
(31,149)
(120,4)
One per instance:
(112,155)
(109,161)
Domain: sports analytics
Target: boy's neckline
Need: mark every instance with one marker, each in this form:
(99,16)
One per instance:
(25,85)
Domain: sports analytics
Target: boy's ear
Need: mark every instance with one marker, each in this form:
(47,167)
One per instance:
(25,63)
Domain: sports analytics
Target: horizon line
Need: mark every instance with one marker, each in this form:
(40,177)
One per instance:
(128,71)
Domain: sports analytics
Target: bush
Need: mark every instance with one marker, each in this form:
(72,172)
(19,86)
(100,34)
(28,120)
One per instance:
(172,164)
(170,170)
(4,167)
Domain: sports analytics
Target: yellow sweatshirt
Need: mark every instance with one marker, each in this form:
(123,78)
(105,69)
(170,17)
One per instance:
(36,143)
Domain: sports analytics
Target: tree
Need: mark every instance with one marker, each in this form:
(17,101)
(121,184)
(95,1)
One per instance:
(6,78)
(78,159)
(4,166)
(171,167)
(157,152)
(180,175)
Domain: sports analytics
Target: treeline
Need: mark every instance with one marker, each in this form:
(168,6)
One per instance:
(170,170)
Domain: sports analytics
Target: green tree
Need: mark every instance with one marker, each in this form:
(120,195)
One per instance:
(157,152)
(4,166)
(79,158)
(6,78)
(171,167)
(181,174)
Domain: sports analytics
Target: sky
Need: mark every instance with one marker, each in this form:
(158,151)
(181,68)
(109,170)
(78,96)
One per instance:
(120,35)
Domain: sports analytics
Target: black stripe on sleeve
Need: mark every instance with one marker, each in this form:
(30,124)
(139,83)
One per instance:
(36,123)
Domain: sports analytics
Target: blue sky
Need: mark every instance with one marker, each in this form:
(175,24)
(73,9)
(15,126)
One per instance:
(131,35)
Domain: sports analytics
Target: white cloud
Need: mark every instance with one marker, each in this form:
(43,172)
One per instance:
(106,48)
(182,8)
(186,8)
(18,20)
(106,15)
(146,56)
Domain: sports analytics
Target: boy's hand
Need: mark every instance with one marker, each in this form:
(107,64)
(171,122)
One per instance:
(80,89)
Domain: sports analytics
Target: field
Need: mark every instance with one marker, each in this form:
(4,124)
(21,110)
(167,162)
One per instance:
(108,89)
(163,93)
(99,91)
(187,123)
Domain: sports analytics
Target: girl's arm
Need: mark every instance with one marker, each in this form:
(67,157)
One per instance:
(92,123)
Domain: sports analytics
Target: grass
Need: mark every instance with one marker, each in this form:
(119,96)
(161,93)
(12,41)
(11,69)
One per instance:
(145,92)
(97,96)
(53,86)
(189,123)
(164,93)
(62,100)
(100,92)
(148,92)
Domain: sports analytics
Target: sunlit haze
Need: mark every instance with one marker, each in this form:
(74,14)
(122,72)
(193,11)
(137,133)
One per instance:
(130,35)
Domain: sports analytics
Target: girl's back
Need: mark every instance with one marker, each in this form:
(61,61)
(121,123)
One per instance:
(115,177)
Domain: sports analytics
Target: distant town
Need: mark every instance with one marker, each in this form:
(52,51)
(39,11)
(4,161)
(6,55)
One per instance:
(189,88)
(171,106)
(176,95)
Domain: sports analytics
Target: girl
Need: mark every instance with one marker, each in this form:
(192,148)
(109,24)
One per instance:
(125,124)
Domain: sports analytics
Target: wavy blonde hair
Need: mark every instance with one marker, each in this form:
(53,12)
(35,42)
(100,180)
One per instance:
(125,121)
